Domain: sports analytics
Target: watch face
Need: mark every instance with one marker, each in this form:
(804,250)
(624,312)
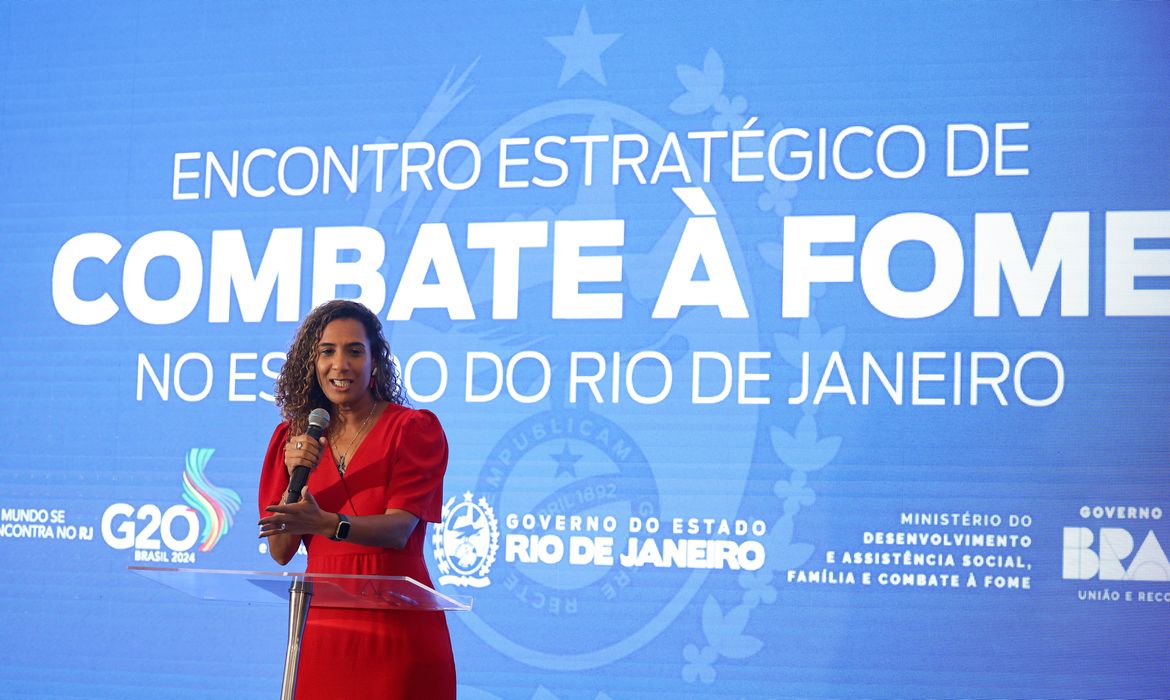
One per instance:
(342,528)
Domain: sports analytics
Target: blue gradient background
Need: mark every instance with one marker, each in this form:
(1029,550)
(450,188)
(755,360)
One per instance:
(96,100)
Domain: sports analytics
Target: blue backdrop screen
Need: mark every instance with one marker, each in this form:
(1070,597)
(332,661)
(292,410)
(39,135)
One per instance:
(806,350)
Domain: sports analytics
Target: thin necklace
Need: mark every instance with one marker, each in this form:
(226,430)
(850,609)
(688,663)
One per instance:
(341,465)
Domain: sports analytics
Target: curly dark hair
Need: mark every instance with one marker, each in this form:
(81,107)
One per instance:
(297,391)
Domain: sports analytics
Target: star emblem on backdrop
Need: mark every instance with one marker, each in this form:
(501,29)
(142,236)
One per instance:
(582,50)
(566,461)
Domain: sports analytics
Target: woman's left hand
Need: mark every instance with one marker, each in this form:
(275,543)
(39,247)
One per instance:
(304,517)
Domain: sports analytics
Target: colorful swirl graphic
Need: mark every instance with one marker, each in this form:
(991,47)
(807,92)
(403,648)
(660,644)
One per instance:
(215,503)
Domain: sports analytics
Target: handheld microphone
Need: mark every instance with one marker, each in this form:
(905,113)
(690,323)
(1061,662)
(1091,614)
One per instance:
(318,422)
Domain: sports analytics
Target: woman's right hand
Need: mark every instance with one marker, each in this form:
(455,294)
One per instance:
(302,451)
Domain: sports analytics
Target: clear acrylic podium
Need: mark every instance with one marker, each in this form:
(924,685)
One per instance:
(324,590)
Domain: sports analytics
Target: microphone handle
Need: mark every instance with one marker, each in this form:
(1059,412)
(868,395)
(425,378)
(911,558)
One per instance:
(300,475)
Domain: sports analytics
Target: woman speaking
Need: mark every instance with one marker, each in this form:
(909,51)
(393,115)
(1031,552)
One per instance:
(376,473)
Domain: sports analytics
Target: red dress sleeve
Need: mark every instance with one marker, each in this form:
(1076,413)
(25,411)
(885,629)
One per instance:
(416,480)
(274,475)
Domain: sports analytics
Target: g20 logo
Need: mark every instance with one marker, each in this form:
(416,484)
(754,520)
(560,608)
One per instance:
(149,527)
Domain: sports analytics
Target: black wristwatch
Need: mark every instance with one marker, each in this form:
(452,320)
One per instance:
(342,528)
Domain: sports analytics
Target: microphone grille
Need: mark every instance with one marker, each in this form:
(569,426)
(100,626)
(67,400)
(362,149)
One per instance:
(320,418)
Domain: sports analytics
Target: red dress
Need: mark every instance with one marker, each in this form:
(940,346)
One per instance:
(383,654)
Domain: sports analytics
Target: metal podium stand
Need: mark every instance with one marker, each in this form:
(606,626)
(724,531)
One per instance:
(324,590)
